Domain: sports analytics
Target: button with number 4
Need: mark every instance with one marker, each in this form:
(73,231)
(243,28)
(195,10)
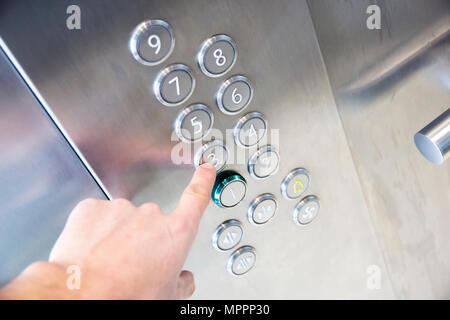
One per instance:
(250,129)
(234,95)
(306,210)
(193,123)
(174,85)
(217,55)
(152,42)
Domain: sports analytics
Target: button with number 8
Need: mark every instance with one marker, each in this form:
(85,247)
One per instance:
(234,95)
(216,55)
(174,85)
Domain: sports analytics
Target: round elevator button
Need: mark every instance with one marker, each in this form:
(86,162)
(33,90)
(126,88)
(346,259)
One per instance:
(250,129)
(152,42)
(242,260)
(306,210)
(227,235)
(262,209)
(295,183)
(214,152)
(174,85)
(216,55)
(234,95)
(194,123)
(229,189)
(264,162)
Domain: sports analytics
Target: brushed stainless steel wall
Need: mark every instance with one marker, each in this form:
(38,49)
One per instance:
(387,84)
(41,178)
(103,98)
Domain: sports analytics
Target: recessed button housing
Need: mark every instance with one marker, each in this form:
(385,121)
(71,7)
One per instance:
(295,183)
(216,55)
(264,162)
(242,260)
(152,42)
(214,152)
(227,235)
(234,95)
(306,210)
(229,189)
(250,129)
(194,123)
(262,209)
(174,85)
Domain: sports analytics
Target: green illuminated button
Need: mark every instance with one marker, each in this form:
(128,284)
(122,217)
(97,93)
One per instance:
(229,189)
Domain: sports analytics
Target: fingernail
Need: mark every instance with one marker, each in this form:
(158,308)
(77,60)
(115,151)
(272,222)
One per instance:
(207,165)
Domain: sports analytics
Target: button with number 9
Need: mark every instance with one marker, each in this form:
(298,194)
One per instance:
(216,55)
(152,42)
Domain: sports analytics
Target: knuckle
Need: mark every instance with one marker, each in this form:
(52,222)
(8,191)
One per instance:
(121,202)
(89,202)
(198,190)
(150,207)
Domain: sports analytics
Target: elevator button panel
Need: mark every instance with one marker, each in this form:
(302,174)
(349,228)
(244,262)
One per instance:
(216,55)
(262,209)
(264,162)
(152,42)
(194,123)
(227,235)
(306,210)
(234,95)
(174,85)
(250,129)
(214,152)
(242,260)
(295,183)
(229,189)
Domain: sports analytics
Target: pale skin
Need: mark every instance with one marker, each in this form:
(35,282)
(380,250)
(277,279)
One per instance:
(123,251)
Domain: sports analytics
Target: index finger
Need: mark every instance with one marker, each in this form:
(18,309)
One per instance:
(197,194)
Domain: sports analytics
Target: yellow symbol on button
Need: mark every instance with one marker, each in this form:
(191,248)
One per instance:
(298,186)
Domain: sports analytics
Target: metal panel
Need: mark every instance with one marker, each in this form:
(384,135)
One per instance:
(41,178)
(408,197)
(103,98)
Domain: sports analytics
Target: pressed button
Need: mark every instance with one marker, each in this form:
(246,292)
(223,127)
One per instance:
(152,42)
(295,183)
(229,189)
(213,152)
(262,209)
(174,85)
(242,260)
(306,210)
(216,55)
(194,123)
(227,235)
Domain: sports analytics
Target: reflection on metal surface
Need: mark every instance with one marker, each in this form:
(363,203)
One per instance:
(433,141)
(41,177)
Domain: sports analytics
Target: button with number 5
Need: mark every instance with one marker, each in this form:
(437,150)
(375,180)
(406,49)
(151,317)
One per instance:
(174,85)
(216,55)
(152,42)
(234,95)
(194,123)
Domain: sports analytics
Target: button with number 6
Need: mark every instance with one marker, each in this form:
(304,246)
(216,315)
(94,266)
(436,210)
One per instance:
(234,95)
(174,85)
(216,55)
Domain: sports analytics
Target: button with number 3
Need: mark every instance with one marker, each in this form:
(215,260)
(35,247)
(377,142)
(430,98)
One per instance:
(152,42)
(174,85)
(234,95)
(214,152)
(216,55)
(194,123)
